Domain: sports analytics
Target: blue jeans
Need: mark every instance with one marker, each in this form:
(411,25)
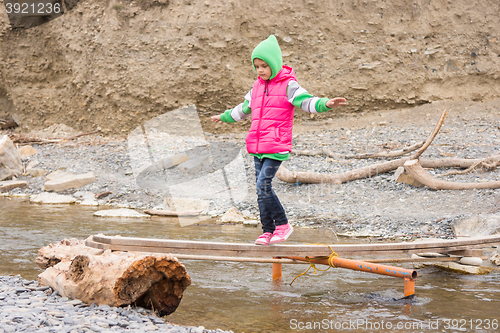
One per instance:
(272,213)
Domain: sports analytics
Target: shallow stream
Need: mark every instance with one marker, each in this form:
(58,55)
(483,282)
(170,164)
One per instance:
(242,297)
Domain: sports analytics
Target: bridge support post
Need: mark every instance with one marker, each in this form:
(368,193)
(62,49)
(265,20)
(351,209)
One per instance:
(277,271)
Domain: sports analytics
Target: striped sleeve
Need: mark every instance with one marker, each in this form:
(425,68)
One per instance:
(241,111)
(300,98)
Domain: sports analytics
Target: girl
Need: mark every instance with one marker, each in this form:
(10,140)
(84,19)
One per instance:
(271,102)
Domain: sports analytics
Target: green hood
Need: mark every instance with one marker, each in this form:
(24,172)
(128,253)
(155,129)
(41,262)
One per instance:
(269,51)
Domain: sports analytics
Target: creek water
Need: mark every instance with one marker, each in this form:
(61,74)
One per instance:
(242,296)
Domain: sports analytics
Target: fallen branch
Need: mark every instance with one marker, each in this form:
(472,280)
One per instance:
(315,153)
(488,163)
(337,178)
(462,172)
(415,170)
(431,137)
(388,154)
(309,177)
(19,138)
(383,154)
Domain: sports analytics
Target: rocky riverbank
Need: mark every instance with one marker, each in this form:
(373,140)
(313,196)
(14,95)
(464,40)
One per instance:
(27,307)
(376,206)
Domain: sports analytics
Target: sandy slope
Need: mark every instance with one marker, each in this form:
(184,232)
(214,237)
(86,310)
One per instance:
(114,64)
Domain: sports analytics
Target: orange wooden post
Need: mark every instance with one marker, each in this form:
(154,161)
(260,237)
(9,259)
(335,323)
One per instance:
(277,271)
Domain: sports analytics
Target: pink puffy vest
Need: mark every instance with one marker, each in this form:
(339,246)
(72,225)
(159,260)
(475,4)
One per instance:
(272,115)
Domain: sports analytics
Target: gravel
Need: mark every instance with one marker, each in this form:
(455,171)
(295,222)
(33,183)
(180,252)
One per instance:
(374,207)
(27,307)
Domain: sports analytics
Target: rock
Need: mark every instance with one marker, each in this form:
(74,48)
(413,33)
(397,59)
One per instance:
(368,65)
(232,215)
(8,185)
(62,180)
(464,269)
(52,198)
(473,261)
(10,161)
(32,164)
(36,172)
(196,164)
(167,163)
(480,225)
(251,223)
(26,151)
(103,194)
(495,258)
(121,212)
(187,205)
(86,198)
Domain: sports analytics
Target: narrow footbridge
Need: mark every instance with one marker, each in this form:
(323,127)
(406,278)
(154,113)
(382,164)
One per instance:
(327,254)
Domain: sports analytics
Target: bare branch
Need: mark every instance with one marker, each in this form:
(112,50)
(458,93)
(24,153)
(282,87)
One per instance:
(389,154)
(431,137)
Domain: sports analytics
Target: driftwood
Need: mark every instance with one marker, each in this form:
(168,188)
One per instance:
(315,152)
(317,178)
(415,170)
(389,154)
(21,139)
(152,281)
(488,163)
(309,177)
(432,136)
(382,154)
(337,178)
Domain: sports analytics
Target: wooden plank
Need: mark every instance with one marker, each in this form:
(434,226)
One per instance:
(246,249)
(468,253)
(250,250)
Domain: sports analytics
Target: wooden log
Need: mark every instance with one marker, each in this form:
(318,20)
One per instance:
(415,170)
(152,281)
(309,177)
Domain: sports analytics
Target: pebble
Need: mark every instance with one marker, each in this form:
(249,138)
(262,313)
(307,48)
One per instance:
(23,309)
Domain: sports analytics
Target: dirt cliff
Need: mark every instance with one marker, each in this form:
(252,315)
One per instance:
(113,64)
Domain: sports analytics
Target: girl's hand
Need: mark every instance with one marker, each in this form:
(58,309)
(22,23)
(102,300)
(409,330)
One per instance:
(335,102)
(216,119)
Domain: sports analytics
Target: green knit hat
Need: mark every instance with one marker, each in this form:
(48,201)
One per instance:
(270,52)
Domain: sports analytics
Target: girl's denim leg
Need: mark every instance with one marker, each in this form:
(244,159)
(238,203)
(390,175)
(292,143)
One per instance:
(271,210)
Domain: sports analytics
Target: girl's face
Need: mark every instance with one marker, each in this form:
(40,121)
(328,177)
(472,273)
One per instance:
(262,68)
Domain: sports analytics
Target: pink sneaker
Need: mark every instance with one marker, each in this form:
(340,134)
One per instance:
(281,233)
(264,239)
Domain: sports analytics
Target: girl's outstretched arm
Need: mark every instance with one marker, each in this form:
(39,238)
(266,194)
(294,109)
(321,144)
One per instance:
(336,102)
(216,119)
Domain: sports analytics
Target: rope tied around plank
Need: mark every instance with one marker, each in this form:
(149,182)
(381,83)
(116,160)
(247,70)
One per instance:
(311,264)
